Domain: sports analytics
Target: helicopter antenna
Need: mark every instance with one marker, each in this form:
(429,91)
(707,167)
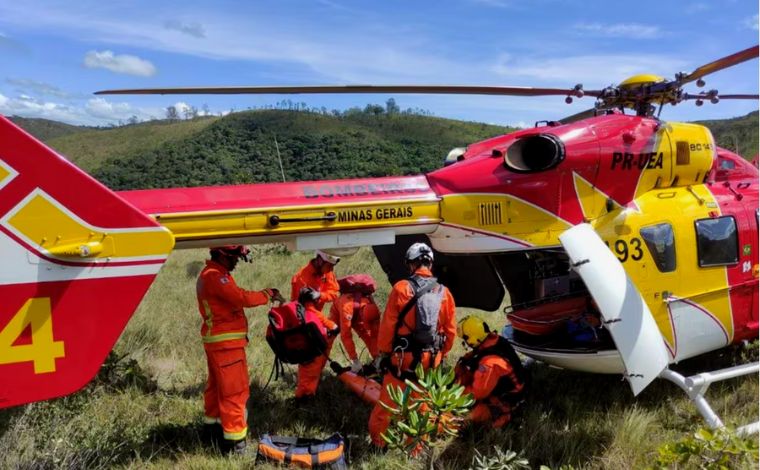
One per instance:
(279,158)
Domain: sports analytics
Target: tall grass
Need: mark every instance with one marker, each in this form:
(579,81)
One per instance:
(153,421)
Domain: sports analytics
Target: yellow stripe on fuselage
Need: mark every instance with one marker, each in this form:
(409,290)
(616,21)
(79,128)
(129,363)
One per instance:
(257,222)
(7,173)
(504,215)
(57,231)
(593,202)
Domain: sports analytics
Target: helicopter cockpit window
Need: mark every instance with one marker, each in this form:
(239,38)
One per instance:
(717,243)
(661,244)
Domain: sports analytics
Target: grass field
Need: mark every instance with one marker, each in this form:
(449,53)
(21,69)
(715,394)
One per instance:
(145,410)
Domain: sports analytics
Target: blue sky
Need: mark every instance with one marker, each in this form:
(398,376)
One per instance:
(55,54)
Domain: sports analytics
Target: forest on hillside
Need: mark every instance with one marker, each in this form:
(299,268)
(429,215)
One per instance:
(247,146)
(244,148)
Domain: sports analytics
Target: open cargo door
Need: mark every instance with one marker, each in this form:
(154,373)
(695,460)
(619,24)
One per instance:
(624,311)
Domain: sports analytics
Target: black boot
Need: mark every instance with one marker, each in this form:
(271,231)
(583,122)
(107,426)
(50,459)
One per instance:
(235,447)
(212,433)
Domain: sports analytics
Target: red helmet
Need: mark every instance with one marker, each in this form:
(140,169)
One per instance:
(233,251)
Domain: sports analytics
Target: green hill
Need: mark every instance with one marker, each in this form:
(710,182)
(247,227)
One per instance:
(45,129)
(241,148)
(740,131)
(91,147)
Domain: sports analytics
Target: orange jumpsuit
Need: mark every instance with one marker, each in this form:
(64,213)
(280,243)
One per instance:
(224,332)
(481,380)
(402,292)
(326,284)
(360,313)
(310,373)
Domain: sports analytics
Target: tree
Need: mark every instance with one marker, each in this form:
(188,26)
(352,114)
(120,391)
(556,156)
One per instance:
(391,107)
(172,114)
(191,112)
(374,109)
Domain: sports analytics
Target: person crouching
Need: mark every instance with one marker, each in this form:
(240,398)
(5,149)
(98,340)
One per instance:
(310,372)
(491,372)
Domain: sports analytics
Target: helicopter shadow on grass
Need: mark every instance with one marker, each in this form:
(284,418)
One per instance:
(7,416)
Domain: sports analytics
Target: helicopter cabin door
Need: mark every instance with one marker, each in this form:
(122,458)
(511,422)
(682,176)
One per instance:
(624,311)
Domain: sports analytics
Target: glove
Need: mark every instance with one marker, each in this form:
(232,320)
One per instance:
(334,332)
(356,366)
(274,295)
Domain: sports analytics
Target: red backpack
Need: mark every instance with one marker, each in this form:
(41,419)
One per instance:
(295,334)
(357,283)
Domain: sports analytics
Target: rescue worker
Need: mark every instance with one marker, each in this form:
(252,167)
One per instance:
(491,372)
(310,373)
(356,311)
(224,333)
(317,274)
(417,327)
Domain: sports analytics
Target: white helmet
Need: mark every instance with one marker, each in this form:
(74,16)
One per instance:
(326,257)
(418,250)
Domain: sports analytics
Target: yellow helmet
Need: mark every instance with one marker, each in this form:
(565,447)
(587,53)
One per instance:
(473,330)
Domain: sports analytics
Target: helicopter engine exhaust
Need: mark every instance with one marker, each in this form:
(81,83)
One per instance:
(533,153)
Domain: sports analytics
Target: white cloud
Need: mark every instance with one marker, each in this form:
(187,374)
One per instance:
(751,23)
(29,107)
(127,64)
(95,112)
(38,87)
(104,109)
(591,70)
(620,30)
(191,29)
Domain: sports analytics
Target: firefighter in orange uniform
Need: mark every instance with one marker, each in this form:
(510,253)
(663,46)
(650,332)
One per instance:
(317,274)
(417,327)
(310,373)
(491,372)
(224,333)
(356,311)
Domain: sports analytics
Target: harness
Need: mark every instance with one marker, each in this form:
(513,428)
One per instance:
(417,342)
(509,388)
(358,309)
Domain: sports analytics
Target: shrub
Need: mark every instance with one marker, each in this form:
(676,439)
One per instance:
(426,412)
(706,449)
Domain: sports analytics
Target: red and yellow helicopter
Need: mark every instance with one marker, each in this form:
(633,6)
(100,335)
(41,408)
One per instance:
(642,231)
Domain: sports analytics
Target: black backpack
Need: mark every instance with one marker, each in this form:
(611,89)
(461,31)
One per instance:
(428,295)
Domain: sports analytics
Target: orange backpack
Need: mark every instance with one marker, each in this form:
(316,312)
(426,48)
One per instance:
(304,453)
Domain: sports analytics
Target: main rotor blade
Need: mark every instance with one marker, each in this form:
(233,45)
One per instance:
(706,96)
(723,63)
(421,89)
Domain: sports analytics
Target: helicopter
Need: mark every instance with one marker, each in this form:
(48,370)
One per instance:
(640,234)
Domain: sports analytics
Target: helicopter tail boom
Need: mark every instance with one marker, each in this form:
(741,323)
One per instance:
(305,215)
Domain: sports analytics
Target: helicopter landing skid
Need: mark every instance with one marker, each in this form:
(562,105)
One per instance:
(696,386)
